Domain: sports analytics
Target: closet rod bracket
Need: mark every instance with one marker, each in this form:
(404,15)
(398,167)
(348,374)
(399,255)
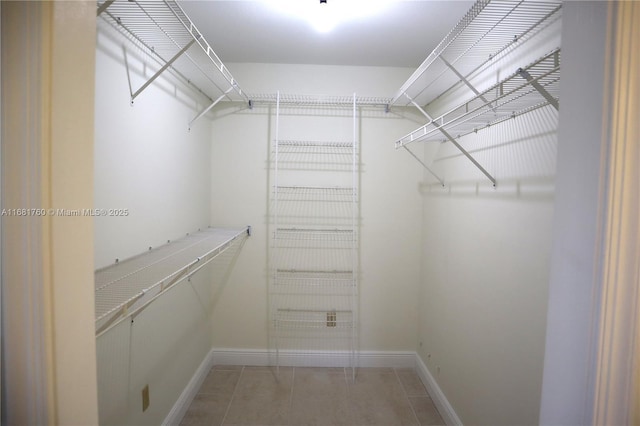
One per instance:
(207,109)
(424,165)
(104,6)
(540,88)
(465,81)
(161,70)
(453,141)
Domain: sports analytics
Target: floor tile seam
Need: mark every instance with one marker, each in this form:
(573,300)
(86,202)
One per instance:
(233,394)
(293,384)
(319,396)
(216,393)
(424,393)
(406,395)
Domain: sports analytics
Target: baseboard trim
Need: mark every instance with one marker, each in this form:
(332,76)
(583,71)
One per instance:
(439,399)
(181,406)
(260,357)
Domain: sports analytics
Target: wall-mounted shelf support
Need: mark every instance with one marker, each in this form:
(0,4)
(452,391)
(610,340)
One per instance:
(464,80)
(540,88)
(104,6)
(453,141)
(162,30)
(161,70)
(207,109)
(424,165)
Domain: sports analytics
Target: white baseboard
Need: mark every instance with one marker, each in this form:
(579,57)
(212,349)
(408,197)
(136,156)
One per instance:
(181,406)
(439,399)
(263,357)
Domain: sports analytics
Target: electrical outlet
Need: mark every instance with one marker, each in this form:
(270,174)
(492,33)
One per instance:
(331,319)
(145,398)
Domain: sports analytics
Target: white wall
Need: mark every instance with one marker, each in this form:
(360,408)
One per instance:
(485,265)
(569,370)
(148,162)
(390,205)
(146,159)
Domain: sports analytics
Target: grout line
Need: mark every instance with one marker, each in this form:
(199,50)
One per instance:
(406,395)
(348,390)
(293,380)
(233,394)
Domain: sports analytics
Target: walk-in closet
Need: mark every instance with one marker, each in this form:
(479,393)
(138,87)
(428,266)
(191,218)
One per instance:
(320,212)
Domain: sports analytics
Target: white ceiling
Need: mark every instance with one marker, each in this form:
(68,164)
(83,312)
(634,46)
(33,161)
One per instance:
(253,31)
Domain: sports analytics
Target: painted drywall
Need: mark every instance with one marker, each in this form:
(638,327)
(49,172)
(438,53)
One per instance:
(390,203)
(567,393)
(149,164)
(161,348)
(486,255)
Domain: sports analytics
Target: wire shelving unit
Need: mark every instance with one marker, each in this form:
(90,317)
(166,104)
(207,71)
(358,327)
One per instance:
(166,34)
(507,99)
(313,286)
(126,288)
(491,30)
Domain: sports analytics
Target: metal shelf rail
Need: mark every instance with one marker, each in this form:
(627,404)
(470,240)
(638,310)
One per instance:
(165,32)
(288,99)
(126,288)
(490,30)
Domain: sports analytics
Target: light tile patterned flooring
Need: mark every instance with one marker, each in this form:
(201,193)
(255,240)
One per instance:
(300,396)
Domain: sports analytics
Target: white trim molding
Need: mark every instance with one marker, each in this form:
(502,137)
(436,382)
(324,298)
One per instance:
(439,399)
(263,357)
(181,406)
(618,305)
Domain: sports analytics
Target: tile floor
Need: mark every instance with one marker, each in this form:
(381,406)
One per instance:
(300,396)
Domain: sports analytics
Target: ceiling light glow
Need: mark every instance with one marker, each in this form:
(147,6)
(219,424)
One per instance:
(324,17)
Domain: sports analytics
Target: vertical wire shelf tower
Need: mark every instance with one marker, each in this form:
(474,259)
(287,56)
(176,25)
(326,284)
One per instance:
(313,286)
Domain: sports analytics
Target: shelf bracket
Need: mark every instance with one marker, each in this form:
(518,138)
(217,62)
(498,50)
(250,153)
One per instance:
(104,6)
(453,141)
(161,70)
(424,165)
(207,109)
(466,82)
(540,88)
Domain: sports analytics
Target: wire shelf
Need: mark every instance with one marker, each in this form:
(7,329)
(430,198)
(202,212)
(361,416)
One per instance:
(311,234)
(128,285)
(315,194)
(329,319)
(490,29)
(507,99)
(318,100)
(333,148)
(167,34)
(315,278)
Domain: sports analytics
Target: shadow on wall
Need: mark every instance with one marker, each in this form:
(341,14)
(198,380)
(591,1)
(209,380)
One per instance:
(520,153)
(140,66)
(160,347)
